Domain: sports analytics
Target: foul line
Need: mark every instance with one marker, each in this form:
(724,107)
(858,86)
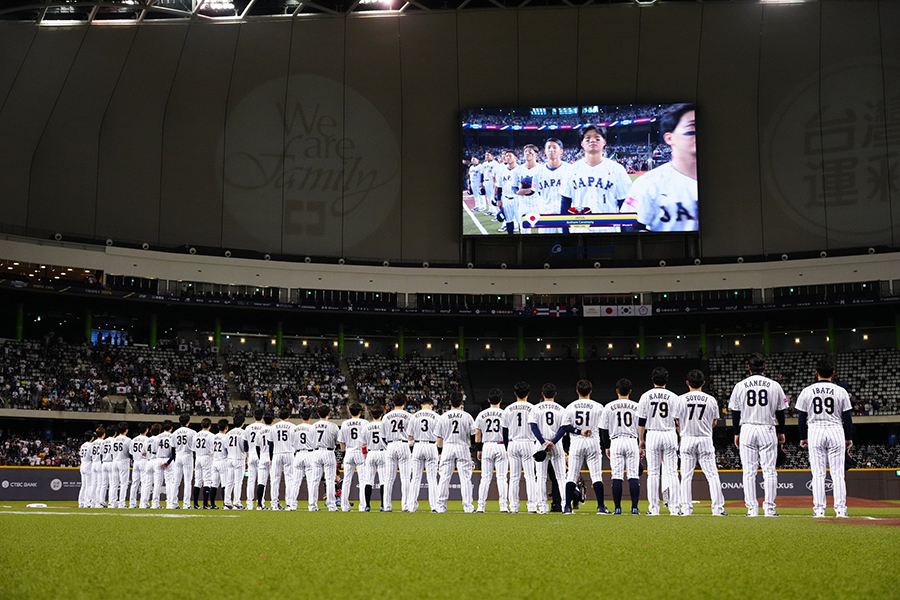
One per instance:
(114,514)
(474,220)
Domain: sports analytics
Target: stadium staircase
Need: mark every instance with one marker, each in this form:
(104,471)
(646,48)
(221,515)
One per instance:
(233,395)
(352,394)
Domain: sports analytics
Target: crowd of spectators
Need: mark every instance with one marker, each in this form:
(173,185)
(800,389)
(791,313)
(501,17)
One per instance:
(871,456)
(297,381)
(29,450)
(378,378)
(550,120)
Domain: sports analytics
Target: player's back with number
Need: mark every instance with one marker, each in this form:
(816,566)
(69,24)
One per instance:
(515,419)
(700,411)
(281,437)
(660,407)
(585,414)
(253,434)
(548,416)
(456,427)
(351,433)
(490,423)
(823,402)
(757,398)
(373,437)
(621,419)
(326,434)
(183,440)
(396,424)
(423,425)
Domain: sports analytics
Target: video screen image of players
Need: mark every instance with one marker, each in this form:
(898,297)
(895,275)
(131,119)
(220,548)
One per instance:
(579,169)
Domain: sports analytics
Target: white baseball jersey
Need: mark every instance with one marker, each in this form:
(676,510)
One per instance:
(598,188)
(456,426)
(254,433)
(548,416)
(515,419)
(585,414)
(422,426)
(304,436)
(620,418)
(506,180)
(660,407)
(395,425)
(281,437)
(140,448)
(122,447)
(490,424)
(106,453)
(183,440)
(823,403)
(164,445)
(84,453)
(664,200)
(698,412)
(490,172)
(757,397)
(326,435)
(220,446)
(476,177)
(373,437)
(203,443)
(351,433)
(96,450)
(548,183)
(524,179)
(234,443)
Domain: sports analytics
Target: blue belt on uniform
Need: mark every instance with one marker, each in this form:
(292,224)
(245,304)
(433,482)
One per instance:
(329,449)
(313,450)
(631,437)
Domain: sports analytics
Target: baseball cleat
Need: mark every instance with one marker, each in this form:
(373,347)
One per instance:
(772,514)
(652,513)
(367,509)
(819,514)
(618,511)
(567,511)
(752,513)
(841,514)
(635,511)
(721,513)
(602,510)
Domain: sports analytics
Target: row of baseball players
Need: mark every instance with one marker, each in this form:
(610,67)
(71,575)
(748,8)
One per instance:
(664,199)
(517,441)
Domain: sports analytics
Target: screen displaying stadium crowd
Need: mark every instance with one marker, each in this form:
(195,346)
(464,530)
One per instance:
(585,169)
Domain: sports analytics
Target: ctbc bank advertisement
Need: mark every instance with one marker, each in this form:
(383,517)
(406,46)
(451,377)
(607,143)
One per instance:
(39,483)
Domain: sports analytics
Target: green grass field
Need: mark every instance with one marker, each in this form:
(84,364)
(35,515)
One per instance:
(70,553)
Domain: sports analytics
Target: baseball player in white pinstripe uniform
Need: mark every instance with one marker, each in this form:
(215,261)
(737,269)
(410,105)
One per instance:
(86,470)
(549,181)
(264,466)
(153,462)
(351,440)
(658,411)
(492,452)
(520,445)
(424,453)
(374,446)
(621,420)
(323,461)
(97,468)
(141,475)
(282,440)
(396,424)
(122,462)
(488,169)
(506,192)
(221,472)
(826,428)
(236,448)
(109,480)
(304,447)
(165,463)
(757,405)
(546,421)
(698,417)
(183,441)
(253,435)
(476,183)
(529,200)
(203,445)
(584,421)
(455,428)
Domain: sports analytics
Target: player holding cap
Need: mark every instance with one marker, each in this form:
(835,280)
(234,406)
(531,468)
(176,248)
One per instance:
(757,407)
(529,200)
(595,184)
(396,424)
(520,443)
(253,436)
(122,462)
(141,470)
(221,473)
(236,455)
(621,420)
(351,440)
(374,446)
(424,453)
(203,444)
(584,421)
(546,421)
(323,461)
(665,199)
(304,447)
(699,415)
(492,451)
(282,442)
(455,429)
(658,411)
(826,428)
(86,470)
(184,458)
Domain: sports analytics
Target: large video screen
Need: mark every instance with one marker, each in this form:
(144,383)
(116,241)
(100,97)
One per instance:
(579,169)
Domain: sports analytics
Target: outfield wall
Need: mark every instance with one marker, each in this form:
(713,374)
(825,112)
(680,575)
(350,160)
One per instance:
(64,483)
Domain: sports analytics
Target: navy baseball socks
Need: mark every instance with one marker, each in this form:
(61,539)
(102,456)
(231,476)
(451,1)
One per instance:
(598,492)
(634,486)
